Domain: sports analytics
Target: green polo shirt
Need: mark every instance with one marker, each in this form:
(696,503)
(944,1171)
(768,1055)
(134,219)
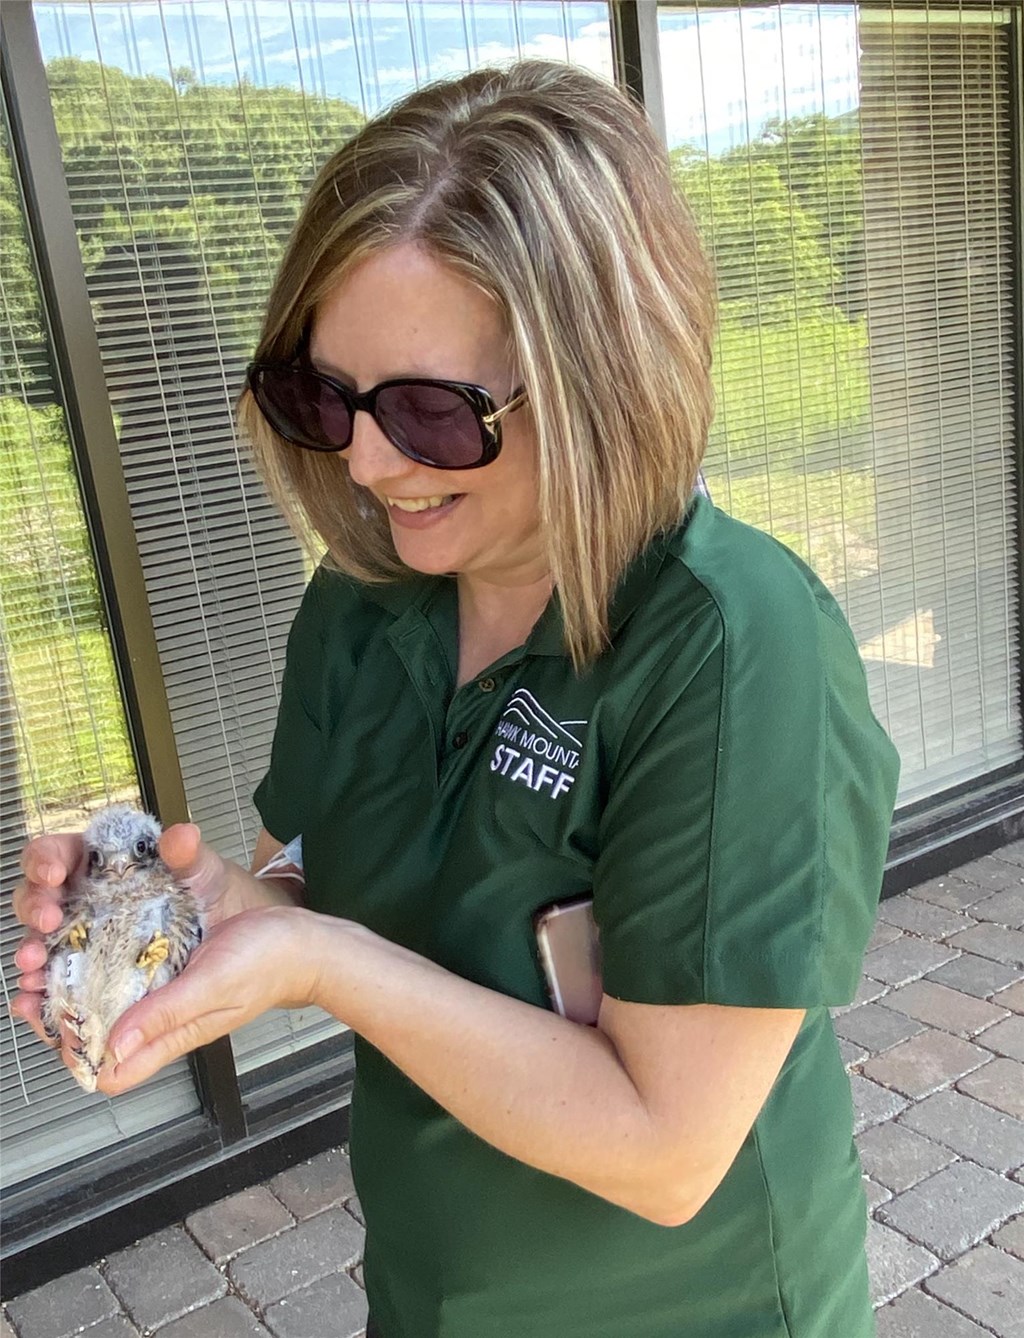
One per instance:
(718,782)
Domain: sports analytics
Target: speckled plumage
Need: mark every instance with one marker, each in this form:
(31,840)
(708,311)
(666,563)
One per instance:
(129,927)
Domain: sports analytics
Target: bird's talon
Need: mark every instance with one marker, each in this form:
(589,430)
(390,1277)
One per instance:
(74,1023)
(78,937)
(155,953)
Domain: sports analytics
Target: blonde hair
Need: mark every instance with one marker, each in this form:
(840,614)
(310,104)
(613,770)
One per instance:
(546,188)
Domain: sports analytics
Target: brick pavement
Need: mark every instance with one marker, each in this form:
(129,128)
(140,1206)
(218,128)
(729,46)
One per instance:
(935,1047)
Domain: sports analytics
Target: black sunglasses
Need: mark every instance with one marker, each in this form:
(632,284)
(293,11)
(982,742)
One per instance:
(444,424)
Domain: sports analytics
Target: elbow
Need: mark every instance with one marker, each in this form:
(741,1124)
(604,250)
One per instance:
(664,1202)
(672,1213)
(673,1200)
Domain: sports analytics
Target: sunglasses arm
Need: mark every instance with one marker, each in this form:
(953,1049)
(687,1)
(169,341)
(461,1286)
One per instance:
(489,419)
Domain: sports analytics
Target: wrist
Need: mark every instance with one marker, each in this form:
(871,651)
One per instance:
(331,954)
(301,942)
(353,969)
(245,892)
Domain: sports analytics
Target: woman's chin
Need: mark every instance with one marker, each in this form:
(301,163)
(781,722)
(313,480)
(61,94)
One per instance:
(429,559)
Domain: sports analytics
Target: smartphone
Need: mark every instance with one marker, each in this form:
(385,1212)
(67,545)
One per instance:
(570,955)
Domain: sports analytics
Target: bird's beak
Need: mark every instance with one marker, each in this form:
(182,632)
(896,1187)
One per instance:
(119,866)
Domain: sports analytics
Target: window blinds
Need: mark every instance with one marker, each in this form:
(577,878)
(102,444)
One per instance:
(63,745)
(853,178)
(940,312)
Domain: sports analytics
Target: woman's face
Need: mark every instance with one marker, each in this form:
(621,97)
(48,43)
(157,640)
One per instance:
(402,313)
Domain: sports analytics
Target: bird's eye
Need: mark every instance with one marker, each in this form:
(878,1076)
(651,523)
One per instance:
(142,846)
(94,859)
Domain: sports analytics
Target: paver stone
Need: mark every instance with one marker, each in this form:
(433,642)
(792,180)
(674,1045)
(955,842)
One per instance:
(873,1103)
(321,1245)
(989,1286)
(1012,997)
(987,1136)
(1002,945)
(1011,854)
(876,1028)
(897,1157)
(980,976)
(925,1062)
(874,1193)
(916,1315)
(953,1209)
(894,1263)
(989,873)
(942,1007)
(1005,1038)
(323,1182)
(907,958)
(999,1083)
(334,1305)
(922,917)
(226,1318)
(1011,1237)
(64,1306)
(226,1228)
(162,1277)
(1004,908)
(949,892)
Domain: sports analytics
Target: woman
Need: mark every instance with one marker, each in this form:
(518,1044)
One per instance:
(536,667)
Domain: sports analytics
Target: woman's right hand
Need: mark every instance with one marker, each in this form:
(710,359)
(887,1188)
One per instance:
(47,863)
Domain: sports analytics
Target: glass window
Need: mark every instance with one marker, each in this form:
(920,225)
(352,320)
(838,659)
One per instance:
(64,748)
(853,179)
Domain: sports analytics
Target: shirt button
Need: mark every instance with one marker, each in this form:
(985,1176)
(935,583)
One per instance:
(460,740)
(487,685)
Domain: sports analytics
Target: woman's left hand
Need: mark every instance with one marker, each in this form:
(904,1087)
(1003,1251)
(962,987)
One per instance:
(254,961)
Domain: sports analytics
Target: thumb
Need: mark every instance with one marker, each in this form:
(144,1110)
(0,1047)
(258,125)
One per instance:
(182,850)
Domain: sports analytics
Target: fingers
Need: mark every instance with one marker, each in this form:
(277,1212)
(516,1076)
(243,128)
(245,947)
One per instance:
(47,861)
(28,1007)
(198,865)
(197,1007)
(31,954)
(50,859)
(161,1014)
(180,848)
(143,1043)
(39,907)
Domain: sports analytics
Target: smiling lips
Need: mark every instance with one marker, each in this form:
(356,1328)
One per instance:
(419,503)
(417,513)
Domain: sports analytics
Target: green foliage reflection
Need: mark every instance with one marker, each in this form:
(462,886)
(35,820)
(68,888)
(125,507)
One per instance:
(790,446)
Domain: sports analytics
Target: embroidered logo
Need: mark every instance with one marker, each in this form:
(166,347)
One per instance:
(536,750)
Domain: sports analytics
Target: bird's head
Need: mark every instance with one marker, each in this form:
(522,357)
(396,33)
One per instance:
(118,839)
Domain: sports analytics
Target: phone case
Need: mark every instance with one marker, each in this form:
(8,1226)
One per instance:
(570,955)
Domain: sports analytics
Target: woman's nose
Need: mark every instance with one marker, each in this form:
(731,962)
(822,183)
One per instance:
(371,457)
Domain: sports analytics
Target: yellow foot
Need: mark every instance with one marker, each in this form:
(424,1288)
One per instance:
(78,937)
(154,954)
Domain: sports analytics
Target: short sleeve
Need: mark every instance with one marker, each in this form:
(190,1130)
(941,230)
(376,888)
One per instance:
(747,823)
(287,796)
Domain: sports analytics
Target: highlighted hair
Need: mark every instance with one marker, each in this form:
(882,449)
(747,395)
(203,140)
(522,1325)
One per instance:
(545,187)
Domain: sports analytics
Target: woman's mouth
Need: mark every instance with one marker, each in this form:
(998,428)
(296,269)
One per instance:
(418,512)
(419,503)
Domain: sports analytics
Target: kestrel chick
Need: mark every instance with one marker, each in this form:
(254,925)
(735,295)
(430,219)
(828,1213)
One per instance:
(129,928)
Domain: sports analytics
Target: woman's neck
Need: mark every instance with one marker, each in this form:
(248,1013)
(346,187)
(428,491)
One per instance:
(495,618)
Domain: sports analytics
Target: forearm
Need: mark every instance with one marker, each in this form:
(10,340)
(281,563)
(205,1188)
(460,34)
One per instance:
(549,1092)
